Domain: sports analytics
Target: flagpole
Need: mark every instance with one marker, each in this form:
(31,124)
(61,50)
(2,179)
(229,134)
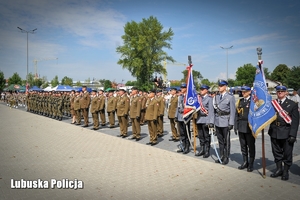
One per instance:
(259,53)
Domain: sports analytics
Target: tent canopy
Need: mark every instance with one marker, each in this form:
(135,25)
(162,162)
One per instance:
(13,87)
(64,88)
(35,88)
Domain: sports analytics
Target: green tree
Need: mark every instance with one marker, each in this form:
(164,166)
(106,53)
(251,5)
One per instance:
(131,83)
(107,84)
(267,73)
(196,75)
(55,81)
(88,80)
(294,78)
(102,81)
(78,84)
(67,81)
(280,73)
(15,79)
(2,80)
(231,82)
(245,75)
(142,53)
(205,82)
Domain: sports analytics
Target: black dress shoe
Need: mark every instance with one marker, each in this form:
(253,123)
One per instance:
(160,135)
(72,122)
(132,138)
(176,140)
(179,151)
(137,139)
(148,143)
(124,136)
(78,124)
(186,151)
(119,135)
(152,144)
(112,127)
(85,126)
(226,161)
(171,139)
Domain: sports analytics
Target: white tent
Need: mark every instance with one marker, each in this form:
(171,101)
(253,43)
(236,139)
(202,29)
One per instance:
(47,89)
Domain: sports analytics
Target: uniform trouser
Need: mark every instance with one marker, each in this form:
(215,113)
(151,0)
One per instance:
(49,109)
(282,151)
(223,135)
(95,116)
(123,122)
(102,117)
(54,110)
(152,127)
(185,133)
(85,115)
(78,116)
(173,129)
(160,125)
(59,111)
(136,127)
(203,134)
(247,142)
(111,118)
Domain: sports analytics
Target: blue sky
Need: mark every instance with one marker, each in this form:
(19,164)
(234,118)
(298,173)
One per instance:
(84,34)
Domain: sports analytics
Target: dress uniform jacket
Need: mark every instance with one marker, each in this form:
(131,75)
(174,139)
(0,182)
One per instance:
(123,106)
(111,104)
(224,110)
(152,110)
(180,108)
(85,100)
(173,104)
(101,103)
(279,129)
(203,118)
(94,105)
(161,108)
(135,106)
(241,116)
(77,103)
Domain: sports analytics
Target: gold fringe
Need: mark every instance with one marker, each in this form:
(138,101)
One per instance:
(262,126)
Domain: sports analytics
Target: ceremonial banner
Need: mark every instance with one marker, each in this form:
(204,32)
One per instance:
(261,112)
(191,103)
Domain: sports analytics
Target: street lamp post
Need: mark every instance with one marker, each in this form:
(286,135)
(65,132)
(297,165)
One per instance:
(226,48)
(32,32)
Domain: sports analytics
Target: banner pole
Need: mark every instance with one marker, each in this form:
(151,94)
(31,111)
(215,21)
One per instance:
(263,152)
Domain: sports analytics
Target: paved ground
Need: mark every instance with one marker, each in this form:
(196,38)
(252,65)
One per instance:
(34,147)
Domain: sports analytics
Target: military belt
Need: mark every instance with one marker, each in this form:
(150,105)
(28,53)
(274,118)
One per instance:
(282,124)
(222,113)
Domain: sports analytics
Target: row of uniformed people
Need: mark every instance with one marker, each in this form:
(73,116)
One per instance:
(14,100)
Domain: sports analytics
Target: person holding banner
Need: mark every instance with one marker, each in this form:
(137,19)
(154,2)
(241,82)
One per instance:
(224,105)
(205,120)
(283,132)
(241,127)
(182,127)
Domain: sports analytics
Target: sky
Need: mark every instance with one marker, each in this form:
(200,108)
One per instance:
(83,35)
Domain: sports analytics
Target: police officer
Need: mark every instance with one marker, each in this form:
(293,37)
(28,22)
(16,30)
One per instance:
(224,105)
(172,107)
(241,127)
(151,117)
(182,127)
(205,121)
(283,132)
(135,114)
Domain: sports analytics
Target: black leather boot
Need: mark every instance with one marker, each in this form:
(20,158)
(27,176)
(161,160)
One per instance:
(250,166)
(245,163)
(186,147)
(201,152)
(226,155)
(279,171)
(207,151)
(285,174)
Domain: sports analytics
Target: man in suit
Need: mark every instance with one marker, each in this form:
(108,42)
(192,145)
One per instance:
(283,132)
(241,127)
(224,107)
(111,108)
(151,117)
(172,106)
(161,112)
(85,104)
(102,98)
(205,120)
(122,112)
(135,114)
(95,102)
(184,129)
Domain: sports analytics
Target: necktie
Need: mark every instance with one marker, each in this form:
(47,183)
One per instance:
(280,102)
(221,96)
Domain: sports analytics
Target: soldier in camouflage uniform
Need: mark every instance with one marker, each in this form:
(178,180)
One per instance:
(60,101)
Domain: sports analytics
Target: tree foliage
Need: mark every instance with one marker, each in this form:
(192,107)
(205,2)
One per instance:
(245,75)
(206,82)
(294,78)
(131,83)
(231,82)
(67,81)
(142,53)
(15,79)
(78,83)
(55,81)
(280,73)
(2,80)
(107,84)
